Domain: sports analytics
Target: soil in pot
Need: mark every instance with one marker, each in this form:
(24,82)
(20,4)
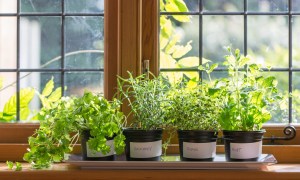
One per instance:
(89,155)
(143,145)
(243,145)
(197,145)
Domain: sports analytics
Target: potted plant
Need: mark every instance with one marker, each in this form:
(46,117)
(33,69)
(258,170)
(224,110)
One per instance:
(194,111)
(91,116)
(145,98)
(248,100)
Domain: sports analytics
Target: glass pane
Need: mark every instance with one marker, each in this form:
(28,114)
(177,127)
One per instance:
(8,6)
(268,5)
(8,42)
(178,76)
(37,81)
(78,82)
(84,42)
(296,97)
(219,32)
(185,52)
(296,42)
(40,42)
(215,75)
(296,5)
(192,5)
(84,6)
(41,6)
(281,116)
(223,5)
(268,44)
(8,88)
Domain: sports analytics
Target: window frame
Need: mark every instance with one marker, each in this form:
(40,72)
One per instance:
(131,36)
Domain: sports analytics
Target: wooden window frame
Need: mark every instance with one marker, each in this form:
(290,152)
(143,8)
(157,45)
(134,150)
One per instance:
(131,36)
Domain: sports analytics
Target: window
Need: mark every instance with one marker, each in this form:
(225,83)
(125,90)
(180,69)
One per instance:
(131,35)
(265,29)
(41,40)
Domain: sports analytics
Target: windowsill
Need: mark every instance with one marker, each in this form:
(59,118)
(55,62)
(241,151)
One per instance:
(66,171)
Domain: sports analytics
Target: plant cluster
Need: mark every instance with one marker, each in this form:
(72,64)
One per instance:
(62,124)
(248,96)
(145,98)
(193,108)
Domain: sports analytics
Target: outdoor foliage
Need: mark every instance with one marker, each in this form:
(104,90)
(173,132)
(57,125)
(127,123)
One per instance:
(47,97)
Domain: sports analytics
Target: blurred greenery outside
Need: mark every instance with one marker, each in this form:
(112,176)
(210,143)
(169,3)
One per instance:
(267,40)
(83,48)
(179,41)
(81,33)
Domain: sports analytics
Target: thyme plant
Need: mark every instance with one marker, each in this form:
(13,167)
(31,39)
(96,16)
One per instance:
(193,108)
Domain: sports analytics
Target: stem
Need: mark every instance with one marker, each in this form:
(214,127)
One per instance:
(53,60)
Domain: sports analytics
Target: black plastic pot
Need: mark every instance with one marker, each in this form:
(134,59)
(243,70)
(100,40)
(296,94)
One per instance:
(197,145)
(243,145)
(143,145)
(89,156)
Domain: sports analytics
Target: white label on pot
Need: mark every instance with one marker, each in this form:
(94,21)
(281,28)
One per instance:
(245,150)
(145,149)
(91,153)
(199,150)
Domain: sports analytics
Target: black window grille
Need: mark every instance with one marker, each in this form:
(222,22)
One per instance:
(286,12)
(72,19)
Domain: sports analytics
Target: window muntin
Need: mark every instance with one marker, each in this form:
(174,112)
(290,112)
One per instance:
(264,29)
(44,39)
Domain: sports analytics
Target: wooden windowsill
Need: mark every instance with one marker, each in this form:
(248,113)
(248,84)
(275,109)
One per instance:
(66,171)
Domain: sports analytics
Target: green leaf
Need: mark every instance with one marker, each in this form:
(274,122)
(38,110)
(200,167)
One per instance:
(55,95)
(170,48)
(10,106)
(192,61)
(243,61)
(182,50)
(163,42)
(18,166)
(212,68)
(48,88)
(26,95)
(166,27)
(162,5)
(178,6)
(10,165)
(166,61)
(270,82)
(24,113)
(192,83)
(45,102)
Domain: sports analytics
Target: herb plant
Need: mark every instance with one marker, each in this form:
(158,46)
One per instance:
(145,98)
(193,108)
(62,124)
(249,97)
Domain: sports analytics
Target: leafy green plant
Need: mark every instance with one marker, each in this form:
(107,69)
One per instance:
(145,98)
(10,165)
(194,107)
(249,97)
(63,123)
